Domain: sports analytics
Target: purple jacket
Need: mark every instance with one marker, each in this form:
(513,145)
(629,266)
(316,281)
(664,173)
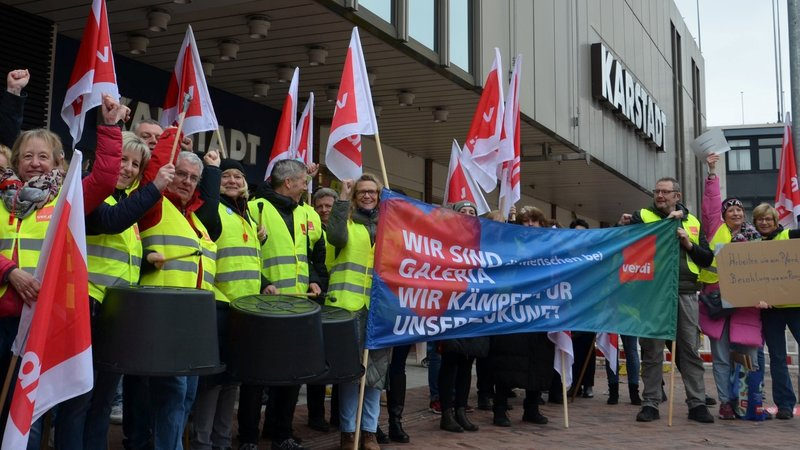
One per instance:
(745,323)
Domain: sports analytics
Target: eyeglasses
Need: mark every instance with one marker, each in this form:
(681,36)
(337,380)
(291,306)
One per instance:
(194,179)
(364,193)
(663,191)
(765,219)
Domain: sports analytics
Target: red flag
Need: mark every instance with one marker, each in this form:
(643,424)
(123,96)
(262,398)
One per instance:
(460,186)
(284,144)
(481,149)
(354,115)
(304,135)
(93,74)
(608,344)
(188,78)
(57,357)
(509,144)
(787,196)
(563,341)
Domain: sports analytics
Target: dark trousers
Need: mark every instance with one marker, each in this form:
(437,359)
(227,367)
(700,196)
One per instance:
(582,344)
(280,412)
(483,373)
(455,376)
(315,395)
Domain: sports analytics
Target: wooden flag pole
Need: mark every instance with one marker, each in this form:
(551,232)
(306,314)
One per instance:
(564,387)
(671,382)
(186,99)
(9,375)
(221,144)
(383,164)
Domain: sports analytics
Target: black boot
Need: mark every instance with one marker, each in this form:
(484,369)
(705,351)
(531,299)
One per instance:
(448,421)
(396,399)
(633,390)
(484,402)
(461,418)
(500,418)
(532,414)
(381,436)
(613,394)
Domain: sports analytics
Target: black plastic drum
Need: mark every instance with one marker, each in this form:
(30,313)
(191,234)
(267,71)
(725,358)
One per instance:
(276,340)
(342,351)
(157,331)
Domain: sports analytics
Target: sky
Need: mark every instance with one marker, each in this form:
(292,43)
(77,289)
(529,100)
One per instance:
(736,38)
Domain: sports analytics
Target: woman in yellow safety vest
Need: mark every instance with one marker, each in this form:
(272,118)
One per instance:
(351,231)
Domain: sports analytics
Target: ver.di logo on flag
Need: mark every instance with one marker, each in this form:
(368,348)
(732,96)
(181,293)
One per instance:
(637,260)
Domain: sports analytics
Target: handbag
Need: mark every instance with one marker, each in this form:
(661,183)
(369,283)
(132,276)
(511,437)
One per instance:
(713,304)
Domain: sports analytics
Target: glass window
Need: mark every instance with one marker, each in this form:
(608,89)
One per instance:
(459,26)
(765,159)
(422,22)
(777,152)
(739,142)
(381,8)
(739,160)
(770,142)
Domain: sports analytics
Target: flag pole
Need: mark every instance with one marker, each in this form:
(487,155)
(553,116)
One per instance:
(186,99)
(380,158)
(221,144)
(671,382)
(564,386)
(9,375)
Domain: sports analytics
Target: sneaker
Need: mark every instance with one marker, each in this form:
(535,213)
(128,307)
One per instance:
(726,411)
(700,414)
(588,392)
(288,444)
(647,414)
(116,415)
(435,407)
(784,414)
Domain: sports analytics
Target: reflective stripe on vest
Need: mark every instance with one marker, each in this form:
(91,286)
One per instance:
(689,223)
(173,236)
(238,257)
(113,259)
(723,236)
(351,275)
(285,262)
(27,235)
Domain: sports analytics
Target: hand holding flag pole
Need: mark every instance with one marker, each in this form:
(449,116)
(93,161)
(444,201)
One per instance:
(186,99)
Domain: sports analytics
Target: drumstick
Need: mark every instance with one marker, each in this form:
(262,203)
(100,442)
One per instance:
(194,253)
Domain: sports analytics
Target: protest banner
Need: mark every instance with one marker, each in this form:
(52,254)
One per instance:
(750,272)
(441,275)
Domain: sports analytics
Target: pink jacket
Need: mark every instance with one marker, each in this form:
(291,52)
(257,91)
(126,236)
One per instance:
(745,323)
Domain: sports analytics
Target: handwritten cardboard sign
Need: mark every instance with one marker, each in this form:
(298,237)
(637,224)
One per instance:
(750,272)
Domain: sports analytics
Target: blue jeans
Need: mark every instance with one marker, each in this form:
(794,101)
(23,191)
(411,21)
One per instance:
(348,408)
(631,346)
(774,322)
(721,353)
(169,400)
(434,364)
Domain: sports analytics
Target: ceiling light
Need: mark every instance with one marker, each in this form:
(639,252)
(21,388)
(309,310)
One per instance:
(137,44)
(371,77)
(285,73)
(317,55)
(440,114)
(228,49)
(331,92)
(208,68)
(260,90)
(405,98)
(157,19)
(259,26)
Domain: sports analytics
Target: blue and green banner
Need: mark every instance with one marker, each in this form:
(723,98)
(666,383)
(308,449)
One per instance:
(439,274)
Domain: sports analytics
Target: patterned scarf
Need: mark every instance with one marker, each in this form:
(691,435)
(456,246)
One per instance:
(21,199)
(748,232)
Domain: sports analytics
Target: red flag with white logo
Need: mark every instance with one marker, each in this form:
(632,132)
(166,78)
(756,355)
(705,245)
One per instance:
(608,344)
(284,144)
(460,186)
(57,347)
(509,144)
(304,135)
(482,147)
(787,196)
(353,117)
(188,78)
(563,341)
(93,73)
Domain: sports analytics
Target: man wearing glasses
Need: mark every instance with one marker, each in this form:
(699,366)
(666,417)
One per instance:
(695,254)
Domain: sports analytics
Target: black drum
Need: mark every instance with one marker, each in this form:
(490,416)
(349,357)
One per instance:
(276,340)
(342,351)
(157,331)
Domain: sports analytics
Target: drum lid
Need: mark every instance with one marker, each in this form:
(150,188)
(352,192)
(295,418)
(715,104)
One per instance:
(275,305)
(334,314)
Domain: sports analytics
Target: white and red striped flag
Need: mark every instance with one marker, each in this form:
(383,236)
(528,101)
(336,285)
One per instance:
(353,117)
(56,344)
(188,78)
(509,170)
(482,147)
(787,196)
(608,344)
(563,341)
(460,186)
(304,135)
(93,74)
(284,145)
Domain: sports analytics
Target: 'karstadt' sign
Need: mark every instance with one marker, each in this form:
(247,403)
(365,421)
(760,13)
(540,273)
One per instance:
(618,90)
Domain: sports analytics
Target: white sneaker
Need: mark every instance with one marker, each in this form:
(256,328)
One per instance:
(116,415)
